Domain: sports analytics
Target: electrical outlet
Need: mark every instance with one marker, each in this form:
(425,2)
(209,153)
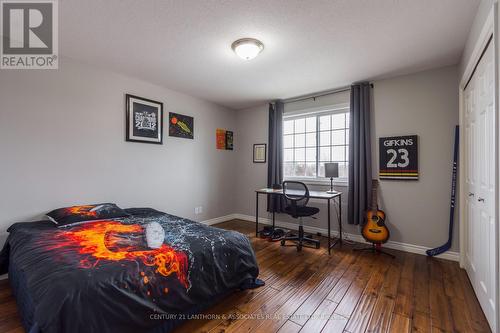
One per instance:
(198,210)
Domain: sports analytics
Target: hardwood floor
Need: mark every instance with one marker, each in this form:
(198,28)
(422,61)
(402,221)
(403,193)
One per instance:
(9,319)
(344,292)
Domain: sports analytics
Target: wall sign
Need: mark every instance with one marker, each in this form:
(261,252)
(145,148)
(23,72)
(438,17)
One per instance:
(229,140)
(224,139)
(180,126)
(220,137)
(259,152)
(398,157)
(144,120)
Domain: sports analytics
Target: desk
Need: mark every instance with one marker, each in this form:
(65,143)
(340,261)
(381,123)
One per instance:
(313,195)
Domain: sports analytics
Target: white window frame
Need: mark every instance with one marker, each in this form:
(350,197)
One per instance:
(318,111)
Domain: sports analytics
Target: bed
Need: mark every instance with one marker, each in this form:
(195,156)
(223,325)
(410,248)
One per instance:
(101,276)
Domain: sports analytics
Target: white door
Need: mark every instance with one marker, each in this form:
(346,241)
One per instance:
(479,143)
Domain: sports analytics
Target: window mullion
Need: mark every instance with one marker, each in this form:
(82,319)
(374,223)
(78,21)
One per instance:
(331,138)
(317,146)
(304,148)
(293,147)
(345,141)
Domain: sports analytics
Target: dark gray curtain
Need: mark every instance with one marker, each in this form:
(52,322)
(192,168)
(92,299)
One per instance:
(360,157)
(275,155)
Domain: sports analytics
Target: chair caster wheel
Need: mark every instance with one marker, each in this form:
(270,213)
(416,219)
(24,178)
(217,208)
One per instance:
(282,242)
(317,246)
(299,248)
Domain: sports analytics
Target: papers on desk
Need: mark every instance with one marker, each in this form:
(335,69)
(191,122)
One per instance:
(270,190)
(312,194)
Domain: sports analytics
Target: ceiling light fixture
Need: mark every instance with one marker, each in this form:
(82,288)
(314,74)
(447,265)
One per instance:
(247,48)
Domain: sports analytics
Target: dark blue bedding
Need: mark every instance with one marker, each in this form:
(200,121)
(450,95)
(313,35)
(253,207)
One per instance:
(102,276)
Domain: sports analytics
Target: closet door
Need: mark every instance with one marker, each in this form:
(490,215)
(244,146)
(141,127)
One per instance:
(470,169)
(480,181)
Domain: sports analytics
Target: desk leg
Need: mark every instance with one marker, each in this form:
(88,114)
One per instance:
(257,214)
(329,247)
(274,219)
(340,219)
(338,240)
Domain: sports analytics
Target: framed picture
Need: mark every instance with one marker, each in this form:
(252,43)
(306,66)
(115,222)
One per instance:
(229,140)
(259,153)
(180,126)
(144,119)
(398,157)
(220,137)
(223,139)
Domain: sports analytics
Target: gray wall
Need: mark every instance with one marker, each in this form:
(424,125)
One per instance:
(425,104)
(62,142)
(340,98)
(252,125)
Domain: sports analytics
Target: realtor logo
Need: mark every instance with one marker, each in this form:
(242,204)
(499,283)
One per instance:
(29,34)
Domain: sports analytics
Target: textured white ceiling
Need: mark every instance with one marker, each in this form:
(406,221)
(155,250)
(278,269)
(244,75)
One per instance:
(310,45)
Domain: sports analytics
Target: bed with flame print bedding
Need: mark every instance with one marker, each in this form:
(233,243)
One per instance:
(114,276)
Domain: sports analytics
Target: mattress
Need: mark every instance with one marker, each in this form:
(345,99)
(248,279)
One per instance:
(67,280)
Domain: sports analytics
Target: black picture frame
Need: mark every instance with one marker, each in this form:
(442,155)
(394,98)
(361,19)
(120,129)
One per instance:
(151,107)
(260,145)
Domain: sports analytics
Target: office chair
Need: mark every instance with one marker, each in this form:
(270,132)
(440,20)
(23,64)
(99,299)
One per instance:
(296,198)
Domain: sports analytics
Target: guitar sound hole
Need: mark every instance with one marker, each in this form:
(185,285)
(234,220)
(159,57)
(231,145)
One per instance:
(375,231)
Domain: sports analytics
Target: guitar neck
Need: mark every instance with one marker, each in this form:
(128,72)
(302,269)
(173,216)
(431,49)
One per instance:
(374,206)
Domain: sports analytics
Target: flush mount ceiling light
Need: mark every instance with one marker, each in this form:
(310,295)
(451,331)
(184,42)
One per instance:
(247,48)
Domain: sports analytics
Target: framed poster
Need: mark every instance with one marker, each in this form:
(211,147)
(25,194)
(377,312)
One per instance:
(220,138)
(398,157)
(180,126)
(144,120)
(259,153)
(229,140)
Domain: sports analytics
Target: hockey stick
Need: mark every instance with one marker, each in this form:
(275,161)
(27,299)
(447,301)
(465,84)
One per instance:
(445,247)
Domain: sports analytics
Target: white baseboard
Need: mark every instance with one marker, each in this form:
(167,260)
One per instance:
(4,277)
(219,219)
(418,249)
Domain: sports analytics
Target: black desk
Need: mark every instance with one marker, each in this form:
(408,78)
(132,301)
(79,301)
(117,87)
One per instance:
(313,195)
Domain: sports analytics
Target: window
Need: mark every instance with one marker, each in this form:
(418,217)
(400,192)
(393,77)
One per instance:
(310,141)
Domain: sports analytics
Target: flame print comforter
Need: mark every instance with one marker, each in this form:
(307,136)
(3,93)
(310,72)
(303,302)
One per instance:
(125,275)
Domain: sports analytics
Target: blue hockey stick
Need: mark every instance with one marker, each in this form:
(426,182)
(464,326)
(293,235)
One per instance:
(445,247)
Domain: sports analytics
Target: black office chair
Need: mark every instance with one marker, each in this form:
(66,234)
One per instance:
(296,198)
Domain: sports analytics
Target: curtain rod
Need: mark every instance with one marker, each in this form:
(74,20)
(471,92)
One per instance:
(317,95)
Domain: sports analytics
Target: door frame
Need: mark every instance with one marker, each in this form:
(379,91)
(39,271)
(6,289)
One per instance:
(490,28)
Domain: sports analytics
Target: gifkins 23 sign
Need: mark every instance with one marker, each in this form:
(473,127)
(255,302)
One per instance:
(398,157)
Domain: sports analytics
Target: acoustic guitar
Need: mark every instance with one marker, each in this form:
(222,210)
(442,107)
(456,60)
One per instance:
(374,230)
